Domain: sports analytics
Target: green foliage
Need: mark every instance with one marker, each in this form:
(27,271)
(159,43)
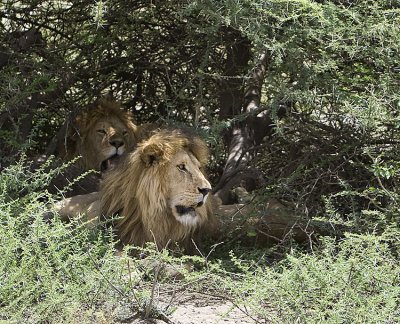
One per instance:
(356,283)
(332,73)
(50,271)
(356,280)
(62,273)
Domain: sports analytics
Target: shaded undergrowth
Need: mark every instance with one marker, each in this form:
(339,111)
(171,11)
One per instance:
(56,272)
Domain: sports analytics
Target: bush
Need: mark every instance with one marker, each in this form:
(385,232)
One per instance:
(52,271)
(355,281)
(57,272)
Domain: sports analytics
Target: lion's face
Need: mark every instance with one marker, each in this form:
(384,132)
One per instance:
(188,188)
(101,134)
(109,138)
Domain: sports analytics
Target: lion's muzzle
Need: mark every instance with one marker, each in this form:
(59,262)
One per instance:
(182,210)
(187,215)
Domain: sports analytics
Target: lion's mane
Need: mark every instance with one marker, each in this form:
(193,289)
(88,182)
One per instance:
(137,193)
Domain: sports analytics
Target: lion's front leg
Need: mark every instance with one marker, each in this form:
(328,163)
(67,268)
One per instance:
(87,205)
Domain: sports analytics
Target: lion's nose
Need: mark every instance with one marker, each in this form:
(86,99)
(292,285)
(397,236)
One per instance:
(204,191)
(116,143)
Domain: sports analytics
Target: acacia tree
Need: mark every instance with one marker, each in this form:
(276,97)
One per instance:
(304,93)
(328,69)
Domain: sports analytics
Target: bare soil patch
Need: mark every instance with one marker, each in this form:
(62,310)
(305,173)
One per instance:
(194,309)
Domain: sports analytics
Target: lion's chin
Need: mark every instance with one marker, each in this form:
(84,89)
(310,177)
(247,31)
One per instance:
(186,215)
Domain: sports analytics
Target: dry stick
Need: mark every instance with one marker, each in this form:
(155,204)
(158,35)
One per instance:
(270,236)
(172,298)
(239,211)
(161,315)
(198,250)
(209,253)
(155,281)
(386,191)
(183,286)
(153,288)
(130,282)
(213,247)
(129,272)
(309,235)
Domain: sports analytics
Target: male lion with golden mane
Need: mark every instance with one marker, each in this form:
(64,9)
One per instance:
(160,191)
(100,134)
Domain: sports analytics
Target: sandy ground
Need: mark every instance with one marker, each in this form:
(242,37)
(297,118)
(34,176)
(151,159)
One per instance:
(200,309)
(221,312)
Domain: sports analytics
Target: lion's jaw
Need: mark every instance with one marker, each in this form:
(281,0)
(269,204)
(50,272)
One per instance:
(188,190)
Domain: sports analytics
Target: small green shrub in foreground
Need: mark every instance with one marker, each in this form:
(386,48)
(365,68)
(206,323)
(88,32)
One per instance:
(50,272)
(54,272)
(355,281)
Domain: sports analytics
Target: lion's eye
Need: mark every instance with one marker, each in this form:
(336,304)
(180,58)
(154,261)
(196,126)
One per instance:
(124,133)
(181,167)
(101,131)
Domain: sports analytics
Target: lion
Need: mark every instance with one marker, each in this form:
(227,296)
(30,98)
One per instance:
(160,191)
(100,135)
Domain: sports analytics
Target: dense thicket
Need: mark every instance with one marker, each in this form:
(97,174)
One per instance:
(299,100)
(304,93)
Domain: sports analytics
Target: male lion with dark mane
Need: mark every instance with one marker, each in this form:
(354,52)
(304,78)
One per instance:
(160,191)
(100,134)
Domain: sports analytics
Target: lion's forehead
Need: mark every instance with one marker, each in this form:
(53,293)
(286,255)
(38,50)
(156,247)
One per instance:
(111,126)
(194,160)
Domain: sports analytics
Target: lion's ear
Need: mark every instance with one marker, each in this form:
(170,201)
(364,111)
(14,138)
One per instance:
(152,153)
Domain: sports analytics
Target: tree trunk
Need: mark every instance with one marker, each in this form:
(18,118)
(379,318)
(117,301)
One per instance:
(250,129)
